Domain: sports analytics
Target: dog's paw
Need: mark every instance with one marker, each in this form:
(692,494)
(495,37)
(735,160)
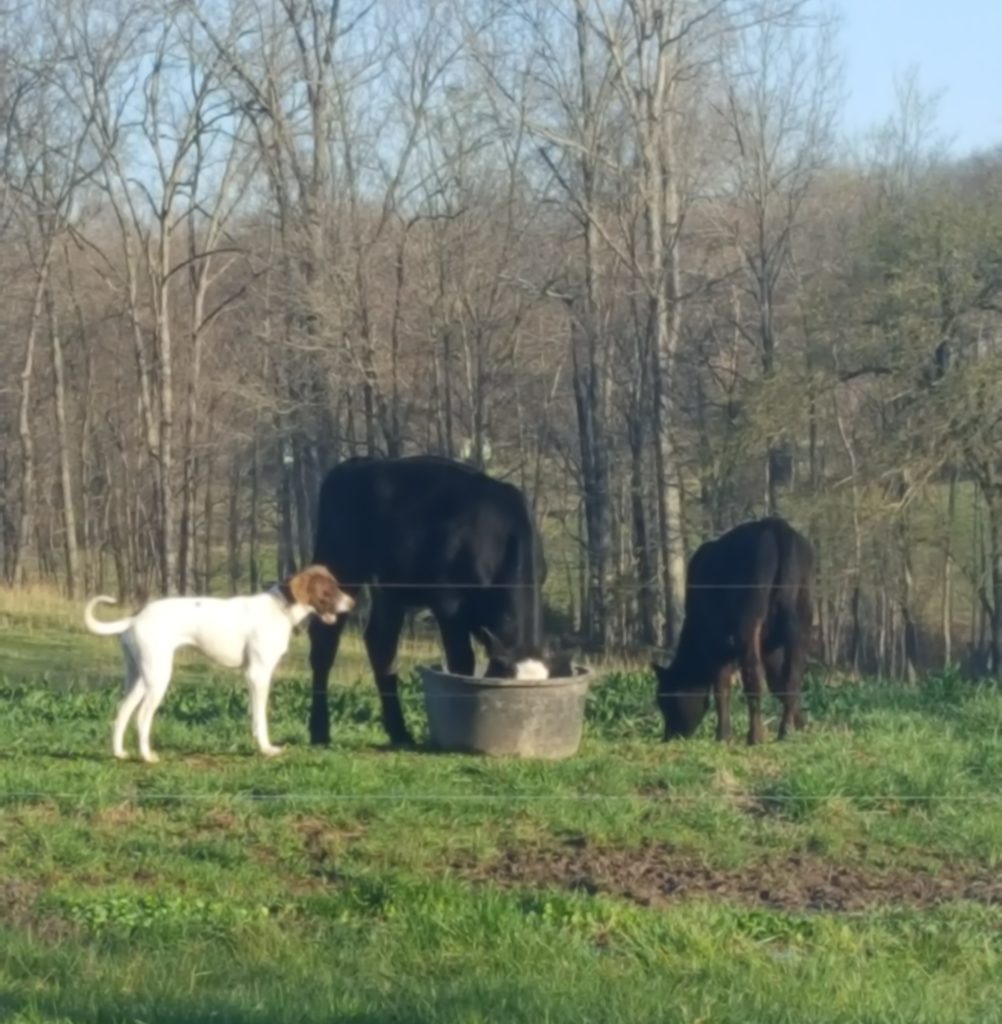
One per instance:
(120,755)
(272,751)
(152,758)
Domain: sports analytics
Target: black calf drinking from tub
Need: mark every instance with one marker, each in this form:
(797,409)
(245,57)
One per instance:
(426,532)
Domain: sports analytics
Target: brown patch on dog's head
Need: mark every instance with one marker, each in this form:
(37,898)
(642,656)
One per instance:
(316,587)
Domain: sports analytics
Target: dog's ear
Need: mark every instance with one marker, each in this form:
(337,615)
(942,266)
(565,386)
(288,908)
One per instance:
(296,588)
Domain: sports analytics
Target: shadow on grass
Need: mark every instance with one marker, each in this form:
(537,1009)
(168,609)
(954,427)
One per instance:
(210,1010)
(57,754)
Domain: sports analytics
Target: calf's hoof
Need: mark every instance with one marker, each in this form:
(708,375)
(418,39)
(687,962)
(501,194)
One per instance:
(320,734)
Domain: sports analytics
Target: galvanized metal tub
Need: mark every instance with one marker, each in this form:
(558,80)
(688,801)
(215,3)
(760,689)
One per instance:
(533,718)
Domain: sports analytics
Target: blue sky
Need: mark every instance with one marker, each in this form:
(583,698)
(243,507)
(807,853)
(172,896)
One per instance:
(957,46)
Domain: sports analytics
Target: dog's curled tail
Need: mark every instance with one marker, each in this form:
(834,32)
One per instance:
(104,628)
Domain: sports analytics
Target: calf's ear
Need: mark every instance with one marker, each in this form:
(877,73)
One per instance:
(491,642)
(560,665)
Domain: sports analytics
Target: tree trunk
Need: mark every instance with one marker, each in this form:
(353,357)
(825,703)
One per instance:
(254,562)
(947,602)
(88,527)
(286,547)
(583,569)
(977,558)
(909,632)
(855,640)
(208,517)
(303,501)
(233,527)
(450,433)
(994,512)
(186,527)
(26,525)
(166,550)
(670,529)
(186,552)
(6,526)
(70,541)
(882,636)
(643,561)
(593,447)
(666,313)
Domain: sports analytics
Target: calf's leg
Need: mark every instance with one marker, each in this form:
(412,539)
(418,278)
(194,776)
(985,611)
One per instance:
(458,644)
(785,670)
(382,640)
(722,699)
(324,640)
(753,679)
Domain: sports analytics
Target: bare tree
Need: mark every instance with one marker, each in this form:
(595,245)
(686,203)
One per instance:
(50,161)
(780,101)
(656,54)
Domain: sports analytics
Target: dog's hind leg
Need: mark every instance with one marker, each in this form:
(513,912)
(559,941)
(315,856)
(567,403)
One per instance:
(156,678)
(133,691)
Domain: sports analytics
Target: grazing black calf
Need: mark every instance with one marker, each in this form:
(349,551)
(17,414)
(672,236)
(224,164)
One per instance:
(427,532)
(748,605)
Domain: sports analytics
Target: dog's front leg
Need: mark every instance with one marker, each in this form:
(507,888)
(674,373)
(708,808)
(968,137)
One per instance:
(259,682)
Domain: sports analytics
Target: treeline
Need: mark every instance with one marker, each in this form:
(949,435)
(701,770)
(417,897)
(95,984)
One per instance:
(615,251)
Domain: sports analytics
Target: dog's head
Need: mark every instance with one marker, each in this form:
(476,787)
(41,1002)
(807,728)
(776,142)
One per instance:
(317,588)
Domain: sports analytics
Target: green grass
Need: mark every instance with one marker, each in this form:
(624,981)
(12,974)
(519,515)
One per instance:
(361,884)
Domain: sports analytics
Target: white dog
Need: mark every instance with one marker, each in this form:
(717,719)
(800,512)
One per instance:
(251,633)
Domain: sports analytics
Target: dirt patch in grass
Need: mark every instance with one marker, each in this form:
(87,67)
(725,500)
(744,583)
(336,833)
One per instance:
(220,819)
(17,901)
(654,875)
(323,844)
(115,816)
(19,910)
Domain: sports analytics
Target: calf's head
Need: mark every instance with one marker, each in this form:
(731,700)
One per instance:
(524,661)
(683,698)
(317,588)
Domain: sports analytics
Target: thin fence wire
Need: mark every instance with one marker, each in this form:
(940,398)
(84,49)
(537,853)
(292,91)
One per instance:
(93,680)
(632,586)
(502,798)
(635,586)
(605,672)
